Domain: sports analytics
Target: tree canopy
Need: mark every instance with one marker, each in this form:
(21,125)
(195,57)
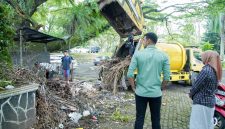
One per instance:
(6,33)
(81,21)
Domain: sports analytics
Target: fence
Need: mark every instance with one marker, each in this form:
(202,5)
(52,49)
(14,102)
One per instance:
(29,58)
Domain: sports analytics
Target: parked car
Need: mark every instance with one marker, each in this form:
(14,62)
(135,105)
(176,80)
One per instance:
(99,60)
(94,49)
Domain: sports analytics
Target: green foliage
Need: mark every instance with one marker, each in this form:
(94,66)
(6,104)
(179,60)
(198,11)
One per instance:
(117,116)
(188,32)
(6,33)
(223,64)
(212,38)
(5,83)
(86,57)
(184,34)
(4,68)
(213,24)
(88,22)
(79,21)
(215,7)
(207,46)
(5,57)
(6,30)
(107,40)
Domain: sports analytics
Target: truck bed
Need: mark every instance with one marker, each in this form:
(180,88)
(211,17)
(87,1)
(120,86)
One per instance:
(125,16)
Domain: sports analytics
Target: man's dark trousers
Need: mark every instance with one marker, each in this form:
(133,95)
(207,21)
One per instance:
(141,105)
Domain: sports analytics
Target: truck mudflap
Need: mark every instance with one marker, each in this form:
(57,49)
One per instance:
(125,16)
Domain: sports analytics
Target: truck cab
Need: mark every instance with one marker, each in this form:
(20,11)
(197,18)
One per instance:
(194,59)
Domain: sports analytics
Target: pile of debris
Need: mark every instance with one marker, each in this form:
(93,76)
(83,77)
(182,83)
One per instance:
(113,71)
(19,76)
(62,105)
(78,104)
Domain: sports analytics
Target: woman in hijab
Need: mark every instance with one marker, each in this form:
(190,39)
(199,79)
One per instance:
(203,91)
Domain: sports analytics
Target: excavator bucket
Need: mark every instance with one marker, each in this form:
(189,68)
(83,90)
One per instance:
(125,16)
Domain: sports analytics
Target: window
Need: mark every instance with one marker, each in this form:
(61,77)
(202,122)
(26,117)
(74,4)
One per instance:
(197,55)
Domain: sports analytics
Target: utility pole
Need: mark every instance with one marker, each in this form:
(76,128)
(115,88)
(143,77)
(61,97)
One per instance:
(46,47)
(21,47)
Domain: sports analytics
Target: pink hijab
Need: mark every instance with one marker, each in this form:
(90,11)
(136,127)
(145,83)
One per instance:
(212,58)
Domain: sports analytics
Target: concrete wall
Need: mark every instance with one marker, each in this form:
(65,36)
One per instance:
(18,108)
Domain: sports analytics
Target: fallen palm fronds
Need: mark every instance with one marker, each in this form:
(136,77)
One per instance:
(113,71)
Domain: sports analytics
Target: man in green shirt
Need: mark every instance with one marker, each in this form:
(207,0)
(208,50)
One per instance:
(150,63)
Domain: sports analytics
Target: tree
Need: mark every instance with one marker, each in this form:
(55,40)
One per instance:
(60,18)
(6,33)
(24,10)
(203,8)
(212,38)
(184,33)
(207,46)
(216,9)
(82,21)
(152,11)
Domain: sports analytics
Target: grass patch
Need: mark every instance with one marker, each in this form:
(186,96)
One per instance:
(118,116)
(85,57)
(129,95)
(5,83)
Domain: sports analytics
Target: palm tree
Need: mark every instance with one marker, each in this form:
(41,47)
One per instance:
(216,25)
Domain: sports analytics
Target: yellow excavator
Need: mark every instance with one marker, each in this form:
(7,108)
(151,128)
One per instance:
(126,17)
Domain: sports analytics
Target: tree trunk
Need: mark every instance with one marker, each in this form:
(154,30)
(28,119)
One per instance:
(222,34)
(26,16)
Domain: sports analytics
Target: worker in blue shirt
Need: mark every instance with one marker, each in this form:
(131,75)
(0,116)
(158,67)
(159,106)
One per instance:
(66,65)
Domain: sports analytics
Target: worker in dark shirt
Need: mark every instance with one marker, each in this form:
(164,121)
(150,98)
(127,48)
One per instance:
(130,45)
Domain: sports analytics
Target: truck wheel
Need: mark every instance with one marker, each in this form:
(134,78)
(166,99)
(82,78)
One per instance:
(219,121)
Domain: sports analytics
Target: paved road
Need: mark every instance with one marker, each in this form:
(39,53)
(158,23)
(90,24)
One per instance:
(176,105)
(175,110)
(87,71)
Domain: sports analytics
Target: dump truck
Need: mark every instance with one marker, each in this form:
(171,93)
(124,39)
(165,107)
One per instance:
(126,17)
(185,63)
